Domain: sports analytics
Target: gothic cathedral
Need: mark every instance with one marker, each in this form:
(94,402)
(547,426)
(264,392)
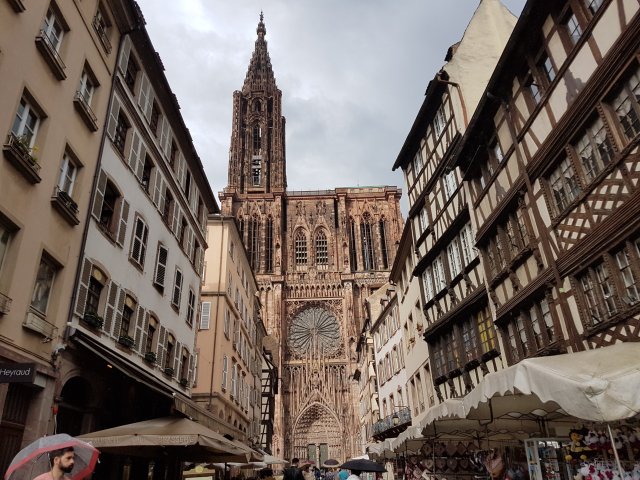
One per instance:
(317,255)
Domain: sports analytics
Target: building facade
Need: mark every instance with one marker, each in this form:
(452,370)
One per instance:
(454,312)
(317,256)
(417,389)
(386,331)
(555,215)
(130,337)
(57,61)
(229,343)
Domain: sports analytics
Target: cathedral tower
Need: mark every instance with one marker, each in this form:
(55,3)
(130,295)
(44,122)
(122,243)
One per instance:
(316,255)
(257,155)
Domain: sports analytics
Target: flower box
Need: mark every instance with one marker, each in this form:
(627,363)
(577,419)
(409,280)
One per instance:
(168,371)
(150,357)
(22,157)
(126,341)
(184,382)
(94,320)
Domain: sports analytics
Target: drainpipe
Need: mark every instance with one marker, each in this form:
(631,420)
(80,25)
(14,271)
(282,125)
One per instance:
(457,87)
(215,331)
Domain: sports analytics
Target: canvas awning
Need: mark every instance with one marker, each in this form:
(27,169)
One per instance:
(187,439)
(599,385)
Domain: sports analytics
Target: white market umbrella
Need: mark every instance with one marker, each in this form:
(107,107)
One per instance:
(599,385)
(189,439)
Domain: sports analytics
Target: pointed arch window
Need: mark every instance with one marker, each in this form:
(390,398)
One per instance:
(300,248)
(321,248)
(254,250)
(367,243)
(353,254)
(382,228)
(268,245)
(257,139)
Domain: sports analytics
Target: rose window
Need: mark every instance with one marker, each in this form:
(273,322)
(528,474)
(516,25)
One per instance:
(314,331)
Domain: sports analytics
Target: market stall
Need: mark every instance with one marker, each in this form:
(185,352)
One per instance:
(548,418)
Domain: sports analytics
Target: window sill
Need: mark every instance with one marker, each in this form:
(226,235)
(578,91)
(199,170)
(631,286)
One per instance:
(36,322)
(22,160)
(66,207)
(85,111)
(17,6)
(51,56)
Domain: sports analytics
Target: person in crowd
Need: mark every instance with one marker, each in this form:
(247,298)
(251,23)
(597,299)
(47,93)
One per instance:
(355,475)
(293,472)
(61,461)
(306,472)
(343,474)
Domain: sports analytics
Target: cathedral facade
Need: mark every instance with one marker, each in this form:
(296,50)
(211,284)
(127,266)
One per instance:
(317,255)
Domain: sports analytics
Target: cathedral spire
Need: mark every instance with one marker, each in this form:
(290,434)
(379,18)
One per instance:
(260,74)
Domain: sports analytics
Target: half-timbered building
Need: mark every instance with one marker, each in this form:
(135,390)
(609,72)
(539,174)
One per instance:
(458,327)
(551,163)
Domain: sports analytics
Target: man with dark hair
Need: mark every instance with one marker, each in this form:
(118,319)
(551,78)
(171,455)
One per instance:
(293,472)
(61,461)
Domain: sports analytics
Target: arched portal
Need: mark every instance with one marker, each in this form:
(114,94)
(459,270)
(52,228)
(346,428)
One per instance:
(317,434)
(74,405)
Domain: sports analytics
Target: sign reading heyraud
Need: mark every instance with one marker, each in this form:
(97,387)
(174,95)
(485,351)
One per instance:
(17,372)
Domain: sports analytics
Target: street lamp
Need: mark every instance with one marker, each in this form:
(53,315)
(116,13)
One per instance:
(395,419)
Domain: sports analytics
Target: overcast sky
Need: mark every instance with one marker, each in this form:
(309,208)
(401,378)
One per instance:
(352,74)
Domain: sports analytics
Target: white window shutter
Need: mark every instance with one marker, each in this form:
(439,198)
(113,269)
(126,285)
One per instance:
(134,151)
(161,266)
(110,308)
(124,54)
(122,227)
(113,117)
(145,100)
(83,289)
(139,329)
(98,197)
(205,315)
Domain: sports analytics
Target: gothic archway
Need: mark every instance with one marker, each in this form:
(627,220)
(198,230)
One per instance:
(317,432)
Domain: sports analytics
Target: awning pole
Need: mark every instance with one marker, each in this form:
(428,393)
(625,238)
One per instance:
(615,451)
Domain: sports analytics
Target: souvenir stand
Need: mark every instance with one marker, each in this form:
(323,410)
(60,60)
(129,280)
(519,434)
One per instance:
(537,420)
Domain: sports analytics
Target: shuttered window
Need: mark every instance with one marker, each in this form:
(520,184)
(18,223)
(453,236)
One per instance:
(177,289)
(139,243)
(161,267)
(205,315)
(191,307)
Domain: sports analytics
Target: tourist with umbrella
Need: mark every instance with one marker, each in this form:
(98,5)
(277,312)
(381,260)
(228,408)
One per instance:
(359,465)
(54,457)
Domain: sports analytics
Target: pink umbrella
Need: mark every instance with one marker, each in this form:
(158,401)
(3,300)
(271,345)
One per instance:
(33,459)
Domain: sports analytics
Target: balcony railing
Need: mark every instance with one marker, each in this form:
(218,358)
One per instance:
(65,205)
(19,154)
(393,424)
(51,55)
(100,29)
(82,107)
